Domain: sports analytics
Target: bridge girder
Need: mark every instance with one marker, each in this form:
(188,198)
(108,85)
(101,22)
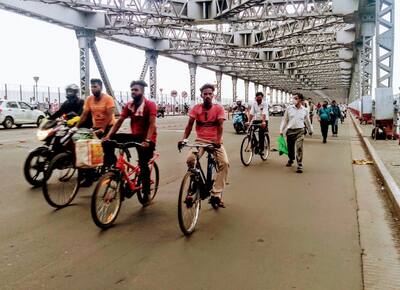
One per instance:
(294,39)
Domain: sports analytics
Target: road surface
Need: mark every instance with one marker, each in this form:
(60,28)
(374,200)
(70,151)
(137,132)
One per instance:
(280,230)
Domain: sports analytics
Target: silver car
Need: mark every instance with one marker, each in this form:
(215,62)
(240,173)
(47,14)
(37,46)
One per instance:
(18,114)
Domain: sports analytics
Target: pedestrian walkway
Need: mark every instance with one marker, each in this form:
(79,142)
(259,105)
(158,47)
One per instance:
(280,230)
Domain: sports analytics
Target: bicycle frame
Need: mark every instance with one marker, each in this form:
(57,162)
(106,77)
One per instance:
(127,169)
(206,179)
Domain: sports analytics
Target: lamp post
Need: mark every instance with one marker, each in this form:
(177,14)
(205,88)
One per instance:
(36,79)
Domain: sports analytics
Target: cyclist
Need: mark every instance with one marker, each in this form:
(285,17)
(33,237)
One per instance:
(209,119)
(259,115)
(73,105)
(143,114)
(101,106)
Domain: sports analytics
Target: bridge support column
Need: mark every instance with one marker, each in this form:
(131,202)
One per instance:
(218,76)
(192,72)
(234,88)
(255,88)
(264,91)
(246,91)
(152,56)
(84,37)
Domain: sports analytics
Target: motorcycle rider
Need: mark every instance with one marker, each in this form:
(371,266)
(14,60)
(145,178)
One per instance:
(73,105)
(240,108)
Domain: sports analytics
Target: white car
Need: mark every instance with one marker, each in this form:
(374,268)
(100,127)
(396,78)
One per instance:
(18,114)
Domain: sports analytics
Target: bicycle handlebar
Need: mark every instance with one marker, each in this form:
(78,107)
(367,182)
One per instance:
(124,145)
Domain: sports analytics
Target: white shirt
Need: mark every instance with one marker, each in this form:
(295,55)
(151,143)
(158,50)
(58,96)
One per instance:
(296,118)
(257,110)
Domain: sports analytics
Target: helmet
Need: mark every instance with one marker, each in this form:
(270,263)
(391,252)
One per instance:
(72,87)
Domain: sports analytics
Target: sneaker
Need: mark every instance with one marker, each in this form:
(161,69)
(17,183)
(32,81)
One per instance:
(324,141)
(299,169)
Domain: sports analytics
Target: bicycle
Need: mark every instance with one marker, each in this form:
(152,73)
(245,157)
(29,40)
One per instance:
(195,187)
(62,179)
(120,182)
(250,145)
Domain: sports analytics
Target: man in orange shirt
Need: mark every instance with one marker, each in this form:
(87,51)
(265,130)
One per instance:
(101,106)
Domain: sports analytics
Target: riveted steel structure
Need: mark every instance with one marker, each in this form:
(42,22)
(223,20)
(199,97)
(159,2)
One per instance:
(290,45)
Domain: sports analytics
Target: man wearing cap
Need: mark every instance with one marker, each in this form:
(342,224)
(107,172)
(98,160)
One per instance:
(143,114)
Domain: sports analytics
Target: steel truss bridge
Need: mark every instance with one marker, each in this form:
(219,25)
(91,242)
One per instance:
(322,47)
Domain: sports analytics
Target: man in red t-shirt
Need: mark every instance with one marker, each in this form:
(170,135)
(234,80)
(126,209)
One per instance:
(143,114)
(209,119)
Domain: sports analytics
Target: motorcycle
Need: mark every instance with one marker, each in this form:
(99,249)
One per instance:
(53,134)
(239,122)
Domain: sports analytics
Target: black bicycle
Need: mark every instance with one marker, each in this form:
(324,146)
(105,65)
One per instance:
(195,187)
(250,145)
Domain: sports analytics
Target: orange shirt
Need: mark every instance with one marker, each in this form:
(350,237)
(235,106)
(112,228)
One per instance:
(99,110)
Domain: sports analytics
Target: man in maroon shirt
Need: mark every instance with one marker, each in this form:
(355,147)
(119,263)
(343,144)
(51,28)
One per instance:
(209,120)
(143,114)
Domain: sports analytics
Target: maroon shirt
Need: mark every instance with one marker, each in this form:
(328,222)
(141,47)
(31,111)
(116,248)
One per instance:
(140,118)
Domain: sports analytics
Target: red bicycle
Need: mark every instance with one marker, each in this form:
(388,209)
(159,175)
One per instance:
(122,181)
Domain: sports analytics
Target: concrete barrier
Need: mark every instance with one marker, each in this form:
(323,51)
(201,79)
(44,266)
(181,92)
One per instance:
(391,186)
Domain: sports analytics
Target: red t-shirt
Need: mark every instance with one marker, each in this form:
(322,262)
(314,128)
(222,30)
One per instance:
(207,121)
(140,118)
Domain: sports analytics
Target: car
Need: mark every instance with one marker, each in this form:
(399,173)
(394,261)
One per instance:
(276,110)
(18,114)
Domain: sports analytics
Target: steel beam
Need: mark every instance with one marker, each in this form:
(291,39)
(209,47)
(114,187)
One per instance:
(100,67)
(152,57)
(218,76)
(84,38)
(192,73)
(385,13)
(246,91)
(234,88)
(145,68)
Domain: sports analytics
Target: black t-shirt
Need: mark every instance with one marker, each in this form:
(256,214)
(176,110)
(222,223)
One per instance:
(73,106)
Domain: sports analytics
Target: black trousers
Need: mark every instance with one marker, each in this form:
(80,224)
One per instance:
(144,154)
(324,129)
(261,133)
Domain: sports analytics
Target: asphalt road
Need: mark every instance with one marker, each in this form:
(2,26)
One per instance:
(280,230)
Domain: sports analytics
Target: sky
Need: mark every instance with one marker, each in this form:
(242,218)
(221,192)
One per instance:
(31,47)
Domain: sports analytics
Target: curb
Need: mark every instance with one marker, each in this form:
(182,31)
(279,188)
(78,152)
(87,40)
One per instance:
(391,186)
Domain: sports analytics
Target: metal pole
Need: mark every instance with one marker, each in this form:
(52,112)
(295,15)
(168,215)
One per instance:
(145,68)
(84,55)
(5,90)
(234,88)
(218,76)
(100,66)
(192,72)
(246,91)
(152,55)
(20,93)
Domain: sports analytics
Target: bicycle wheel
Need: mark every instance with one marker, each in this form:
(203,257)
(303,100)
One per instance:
(61,182)
(266,149)
(154,181)
(188,204)
(35,166)
(246,151)
(106,200)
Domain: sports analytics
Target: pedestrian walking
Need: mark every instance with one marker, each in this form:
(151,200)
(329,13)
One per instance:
(324,116)
(335,117)
(295,119)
